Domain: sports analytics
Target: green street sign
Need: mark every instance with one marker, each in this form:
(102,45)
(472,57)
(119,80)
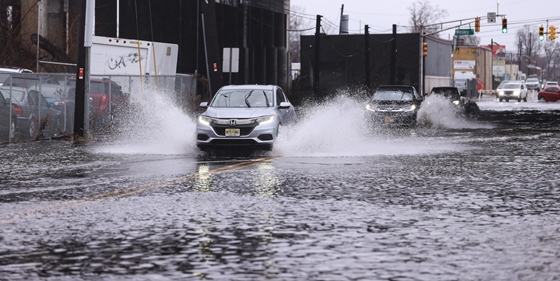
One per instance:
(460,32)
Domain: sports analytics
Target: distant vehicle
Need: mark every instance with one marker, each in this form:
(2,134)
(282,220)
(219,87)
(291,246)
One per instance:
(550,83)
(550,93)
(513,91)
(533,83)
(244,116)
(35,118)
(463,105)
(8,119)
(460,80)
(6,71)
(500,86)
(394,105)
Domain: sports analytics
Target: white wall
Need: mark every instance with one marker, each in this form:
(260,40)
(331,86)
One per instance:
(436,81)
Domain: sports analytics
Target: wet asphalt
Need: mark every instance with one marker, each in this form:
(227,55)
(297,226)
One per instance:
(479,203)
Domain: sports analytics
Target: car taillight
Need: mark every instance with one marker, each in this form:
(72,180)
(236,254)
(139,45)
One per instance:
(104,101)
(18,110)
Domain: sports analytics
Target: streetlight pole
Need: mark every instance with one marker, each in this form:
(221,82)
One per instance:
(38,31)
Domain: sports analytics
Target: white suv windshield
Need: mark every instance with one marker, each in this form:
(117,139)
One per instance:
(512,86)
(243,98)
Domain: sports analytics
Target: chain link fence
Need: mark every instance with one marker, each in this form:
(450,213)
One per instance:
(42,106)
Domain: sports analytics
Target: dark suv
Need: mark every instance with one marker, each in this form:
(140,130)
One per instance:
(394,105)
(463,105)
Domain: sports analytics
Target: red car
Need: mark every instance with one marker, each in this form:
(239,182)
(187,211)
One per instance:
(108,100)
(551,93)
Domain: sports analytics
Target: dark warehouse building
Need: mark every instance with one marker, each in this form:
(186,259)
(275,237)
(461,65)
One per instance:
(257,27)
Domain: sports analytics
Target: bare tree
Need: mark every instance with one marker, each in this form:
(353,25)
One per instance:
(300,24)
(471,40)
(423,15)
(527,38)
(552,58)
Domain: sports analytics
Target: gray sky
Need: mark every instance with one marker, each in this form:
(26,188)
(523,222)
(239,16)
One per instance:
(382,14)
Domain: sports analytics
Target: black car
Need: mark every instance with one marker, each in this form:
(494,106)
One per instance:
(394,105)
(463,104)
(8,119)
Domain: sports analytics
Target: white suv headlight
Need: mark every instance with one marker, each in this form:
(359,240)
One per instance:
(266,119)
(204,120)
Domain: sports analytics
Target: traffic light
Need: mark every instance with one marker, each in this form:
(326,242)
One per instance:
(504,25)
(425,49)
(552,32)
(477,24)
(541,33)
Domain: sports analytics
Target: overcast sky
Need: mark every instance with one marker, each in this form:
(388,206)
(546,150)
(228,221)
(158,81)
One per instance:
(380,15)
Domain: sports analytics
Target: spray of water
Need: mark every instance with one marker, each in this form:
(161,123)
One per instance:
(154,124)
(439,112)
(340,127)
(333,128)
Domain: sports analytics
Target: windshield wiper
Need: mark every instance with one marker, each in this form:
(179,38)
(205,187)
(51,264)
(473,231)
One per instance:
(247,99)
(266,98)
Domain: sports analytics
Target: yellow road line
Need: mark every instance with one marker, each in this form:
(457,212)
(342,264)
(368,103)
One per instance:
(4,219)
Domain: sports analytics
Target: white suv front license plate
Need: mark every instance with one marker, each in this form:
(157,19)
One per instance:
(230,132)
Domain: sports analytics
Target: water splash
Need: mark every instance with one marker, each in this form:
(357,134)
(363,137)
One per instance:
(334,128)
(154,124)
(439,112)
(340,127)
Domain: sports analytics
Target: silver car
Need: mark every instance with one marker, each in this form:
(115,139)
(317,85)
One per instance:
(244,116)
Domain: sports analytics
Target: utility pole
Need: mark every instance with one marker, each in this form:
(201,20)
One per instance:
(420,48)
(79,120)
(519,59)
(393,55)
(341,14)
(317,57)
(211,47)
(368,74)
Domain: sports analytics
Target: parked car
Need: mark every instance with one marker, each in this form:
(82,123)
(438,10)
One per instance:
(35,118)
(28,81)
(533,83)
(244,116)
(108,100)
(6,71)
(63,99)
(513,91)
(394,105)
(463,105)
(8,120)
(550,93)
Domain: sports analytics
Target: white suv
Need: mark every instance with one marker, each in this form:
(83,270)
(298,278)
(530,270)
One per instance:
(513,91)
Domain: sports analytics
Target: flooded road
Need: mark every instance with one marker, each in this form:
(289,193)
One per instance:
(458,200)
